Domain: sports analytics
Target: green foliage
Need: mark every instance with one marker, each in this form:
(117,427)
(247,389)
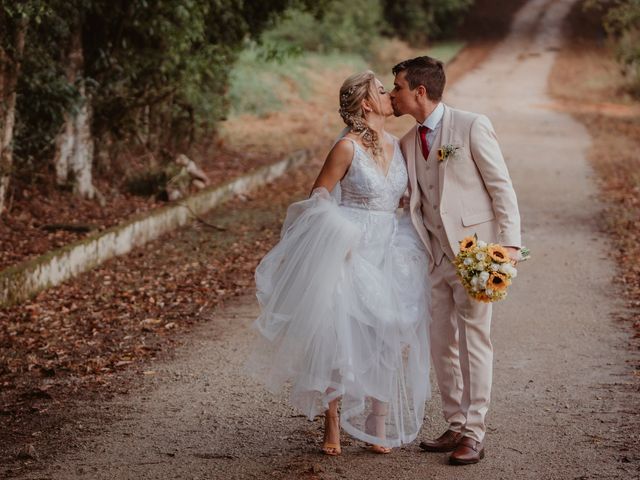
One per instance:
(31,10)
(268,72)
(155,70)
(417,21)
(255,82)
(158,64)
(342,26)
(44,94)
(15,17)
(623,23)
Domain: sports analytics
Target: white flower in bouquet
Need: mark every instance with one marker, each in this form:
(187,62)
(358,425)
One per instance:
(509,270)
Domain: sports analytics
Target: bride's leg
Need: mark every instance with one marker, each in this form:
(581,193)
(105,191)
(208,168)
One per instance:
(331,443)
(375,424)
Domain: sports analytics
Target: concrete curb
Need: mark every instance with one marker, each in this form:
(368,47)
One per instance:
(23,280)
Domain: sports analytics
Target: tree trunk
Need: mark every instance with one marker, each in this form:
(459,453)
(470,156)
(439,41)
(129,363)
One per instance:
(73,158)
(104,153)
(64,150)
(9,72)
(82,159)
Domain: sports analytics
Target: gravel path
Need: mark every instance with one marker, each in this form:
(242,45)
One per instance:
(564,405)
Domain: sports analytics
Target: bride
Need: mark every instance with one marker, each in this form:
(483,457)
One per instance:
(344,294)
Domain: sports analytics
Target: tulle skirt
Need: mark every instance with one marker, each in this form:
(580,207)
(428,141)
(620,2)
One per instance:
(345,313)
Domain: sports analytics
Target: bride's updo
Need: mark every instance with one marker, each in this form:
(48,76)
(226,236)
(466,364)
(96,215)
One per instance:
(354,90)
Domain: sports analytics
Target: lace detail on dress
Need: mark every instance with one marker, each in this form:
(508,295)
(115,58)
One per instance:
(365,186)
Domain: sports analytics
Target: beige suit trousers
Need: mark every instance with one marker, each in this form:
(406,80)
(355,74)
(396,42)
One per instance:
(461,352)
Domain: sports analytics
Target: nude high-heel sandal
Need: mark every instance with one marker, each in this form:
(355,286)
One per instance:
(330,448)
(372,430)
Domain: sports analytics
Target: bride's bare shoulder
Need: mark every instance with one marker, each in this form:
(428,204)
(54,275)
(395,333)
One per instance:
(344,145)
(335,165)
(342,151)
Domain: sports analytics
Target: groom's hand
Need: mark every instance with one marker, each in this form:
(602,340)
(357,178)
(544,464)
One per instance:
(513,254)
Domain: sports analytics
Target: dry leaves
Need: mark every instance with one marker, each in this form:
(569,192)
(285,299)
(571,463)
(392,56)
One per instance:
(77,340)
(27,231)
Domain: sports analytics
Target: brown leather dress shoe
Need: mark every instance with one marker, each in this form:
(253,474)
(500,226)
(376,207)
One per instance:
(447,442)
(469,451)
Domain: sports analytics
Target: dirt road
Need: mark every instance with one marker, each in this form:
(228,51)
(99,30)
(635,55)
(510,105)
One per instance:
(563,405)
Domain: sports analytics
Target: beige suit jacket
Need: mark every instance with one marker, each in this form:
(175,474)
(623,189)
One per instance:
(476,192)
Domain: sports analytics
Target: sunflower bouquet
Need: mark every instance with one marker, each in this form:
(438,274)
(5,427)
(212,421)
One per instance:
(485,269)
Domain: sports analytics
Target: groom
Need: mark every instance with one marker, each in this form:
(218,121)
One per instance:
(465,192)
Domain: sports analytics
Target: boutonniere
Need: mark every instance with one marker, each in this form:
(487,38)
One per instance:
(446,151)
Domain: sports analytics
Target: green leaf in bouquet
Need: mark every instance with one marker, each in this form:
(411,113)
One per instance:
(525,254)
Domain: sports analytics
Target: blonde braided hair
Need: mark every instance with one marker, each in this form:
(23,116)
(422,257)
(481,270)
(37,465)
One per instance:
(355,89)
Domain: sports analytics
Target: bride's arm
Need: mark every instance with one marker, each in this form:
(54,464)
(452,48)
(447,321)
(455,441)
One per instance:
(335,166)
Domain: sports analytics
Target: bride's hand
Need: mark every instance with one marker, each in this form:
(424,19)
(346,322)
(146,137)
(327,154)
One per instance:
(321,192)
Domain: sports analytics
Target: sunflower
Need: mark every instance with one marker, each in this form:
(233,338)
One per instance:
(467,244)
(440,154)
(483,298)
(497,282)
(498,253)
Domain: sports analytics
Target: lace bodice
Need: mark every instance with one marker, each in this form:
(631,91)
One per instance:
(365,186)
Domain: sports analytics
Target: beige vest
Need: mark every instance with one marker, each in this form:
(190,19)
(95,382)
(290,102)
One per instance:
(428,175)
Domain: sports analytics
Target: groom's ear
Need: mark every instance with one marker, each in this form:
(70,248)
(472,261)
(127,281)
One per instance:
(421,91)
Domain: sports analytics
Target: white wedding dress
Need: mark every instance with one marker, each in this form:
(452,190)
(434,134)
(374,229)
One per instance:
(345,308)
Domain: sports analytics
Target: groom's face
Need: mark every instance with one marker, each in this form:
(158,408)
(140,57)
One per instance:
(403,99)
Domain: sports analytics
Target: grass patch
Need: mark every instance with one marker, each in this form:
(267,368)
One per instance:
(260,86)
(445,51)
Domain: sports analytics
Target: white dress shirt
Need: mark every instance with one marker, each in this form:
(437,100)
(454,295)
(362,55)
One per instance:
(433,123)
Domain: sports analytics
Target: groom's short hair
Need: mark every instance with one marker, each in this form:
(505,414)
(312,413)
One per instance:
(425,71)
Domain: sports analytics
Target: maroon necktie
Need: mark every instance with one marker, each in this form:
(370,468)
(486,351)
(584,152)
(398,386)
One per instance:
(422,130)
